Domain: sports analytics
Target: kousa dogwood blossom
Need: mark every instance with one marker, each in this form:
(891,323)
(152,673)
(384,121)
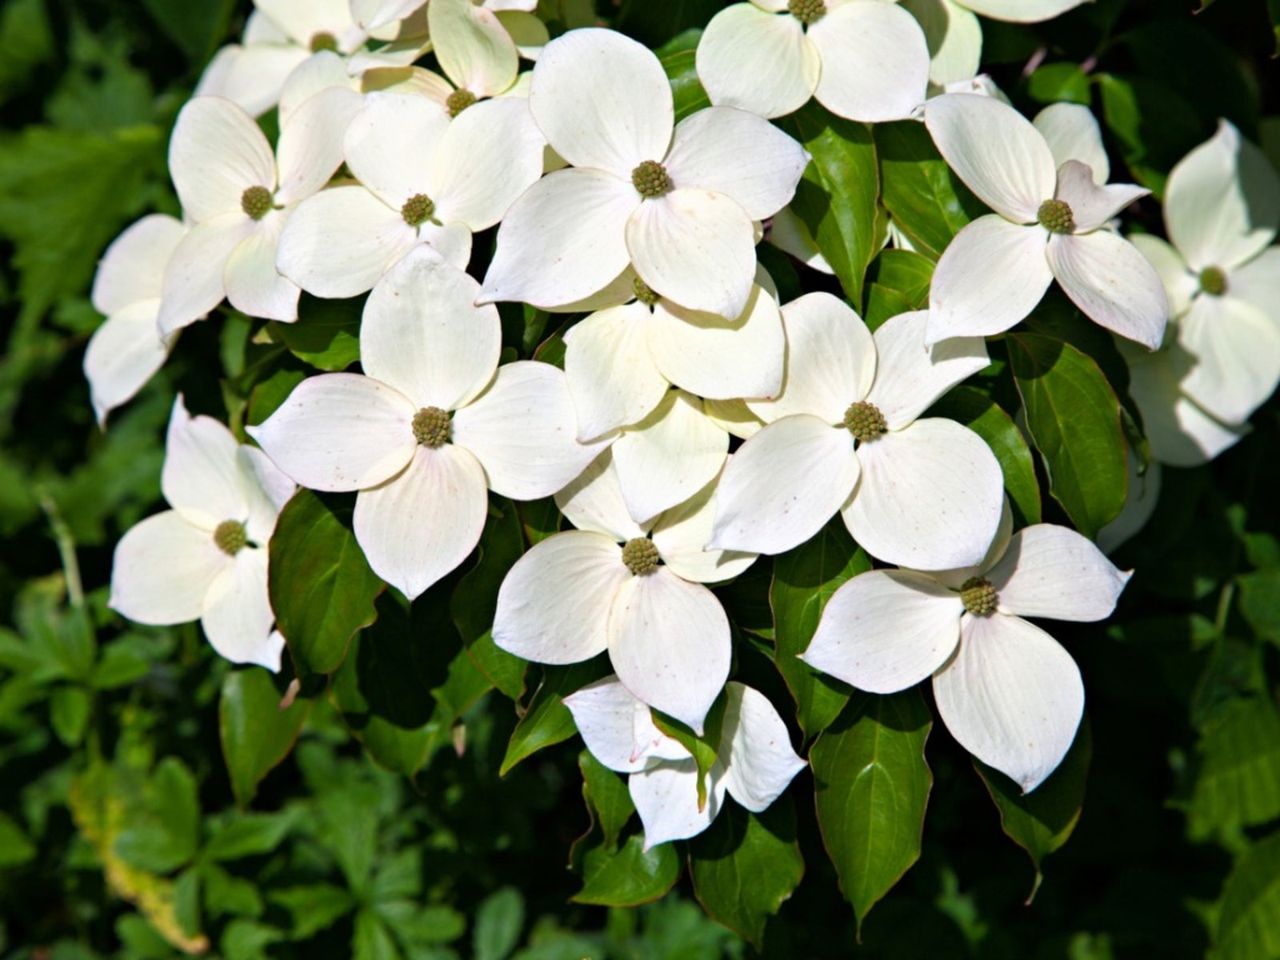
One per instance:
(865,60)
(237,194)
(676,202)
(633,589)
(424,180)
(431,424)
(205,558)
(845,435)
(620,361)
(754,759)
(1007,691)
(1047,225)
(1221,211)
(126,351)
(475,48)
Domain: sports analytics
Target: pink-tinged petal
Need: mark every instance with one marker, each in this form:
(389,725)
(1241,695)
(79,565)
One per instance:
(216,153)
(875,62)
(1093,205)
(122,355)
(755,749)
(311,142)
(911,376)
(254,286)
(132,269)
(237,616)
(758,61)
(472,47)
(1107,278)
(1237,356)
(618,729)
(194,280)
(666,799)
(611,373)
(162,569)
(1051,571)
(201,475)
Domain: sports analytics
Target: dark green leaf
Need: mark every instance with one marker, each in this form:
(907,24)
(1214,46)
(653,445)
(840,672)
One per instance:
(685,87)
(547,720)
(326,334)
(1054,82)
(927,201)
(15,847)
(499,919)
(1260,602)
(269,394)
(248,835)
(1249,916)
(197,26)
(69,713)
(606,795)
(256,733)
(901,284)
(628,876)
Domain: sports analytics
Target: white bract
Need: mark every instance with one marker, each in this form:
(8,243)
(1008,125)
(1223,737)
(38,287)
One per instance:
(206,558)
(474,46)
(237,196)
(1049,223)
(1007,691)
(635,590)
(844,435)
(754,759)
(431,424)
(424,180)
(676,202)
(128,349)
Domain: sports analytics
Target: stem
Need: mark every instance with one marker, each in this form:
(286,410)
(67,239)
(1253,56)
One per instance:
(66,546)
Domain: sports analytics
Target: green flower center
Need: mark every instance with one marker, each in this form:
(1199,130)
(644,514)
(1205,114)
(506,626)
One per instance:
(231,537)
(979,596)
(1213,281)
(324,40)
(458,101)
(431,427)
(640,556)
(651,180)
(807,11)
(1056,216)
(644,292)
(256,202)
(418,209)
(865,421)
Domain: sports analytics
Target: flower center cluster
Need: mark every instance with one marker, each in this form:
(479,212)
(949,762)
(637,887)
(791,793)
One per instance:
(979,596)
(807,11)
(324,40)
(256,202)
(865,421)
(431,427)
(418,209)
(458,101)
(230,537)
(651,180)
(1213,281)
(644,293)
(1056,216)
(640,555)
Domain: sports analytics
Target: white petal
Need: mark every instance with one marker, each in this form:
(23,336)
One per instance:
(790,234)
(1021,11)
(194,278)
(251,76)
(875,61)
(1072,133)
(1180,285)
(992,274)
(340,431)
(736,153)
(669,456)
(995,151)
(254,287)
(666,798)
(783,485)
(1258,282)
(911,376)
(474,50)
(122,355)
(553,605)
(593,501)
(201,476)
(929,497)
(602,100)
(682,533)
(1051,571)
(132,269)
(733,416)
(1139,505)
(321,71)
(237,616)
(563,239)
(390,142)
(216,153)
(266,490)
(1222,201)
(1107,278)
(1237,352)
(758,759)
(611,374)
(669,643)
(527,31)
(422,333)
(303,19)
(886,630)
(696,248)
(954,37)
(757,61)
(311,142)
(162,570)
(1092,205)
(1012,697)
(618,729)
(1180,433)
(522,430)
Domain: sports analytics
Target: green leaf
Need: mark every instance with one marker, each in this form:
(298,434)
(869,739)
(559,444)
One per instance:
(326,333)
(901,284)
(322,590)
(26,41)
(628,876)
(1238,780)
(313,908)
(686,89)
(803,581)
(977,411)
(1040,822)
(372,939)
(269,394)
(1260,602)
(607,797)
(1073,417)
(745,865)
(196,27)
(15,848)
(547,720)
(256,733)
(248,835)
(164,834)
(69,713)
(704,748)
(872,786)
(836,198)
(499,920)
(1249,915)
(415,924)
(1054,82)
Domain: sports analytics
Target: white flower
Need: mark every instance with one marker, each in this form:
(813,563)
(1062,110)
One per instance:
(620,361)
(954,39)
(431,424)
(754,760)
(633,589)
(1021,11)
(128,349)
(678,207)
(863,59)
(237,196)
(424,180)
(1046,226)
(1221,210)
(1007,691)
(474,48)
(844,436)
(206,558)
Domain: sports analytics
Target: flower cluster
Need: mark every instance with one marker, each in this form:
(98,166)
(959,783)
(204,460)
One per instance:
(697,421)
